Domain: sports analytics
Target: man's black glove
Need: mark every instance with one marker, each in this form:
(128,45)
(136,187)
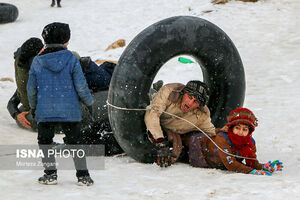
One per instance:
(165,155)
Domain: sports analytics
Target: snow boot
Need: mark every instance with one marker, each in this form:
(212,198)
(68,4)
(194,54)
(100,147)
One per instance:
(85,181)
(58,4)
(53,3)
(50,179)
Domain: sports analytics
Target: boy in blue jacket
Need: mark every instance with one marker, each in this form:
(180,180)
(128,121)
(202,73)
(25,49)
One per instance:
(55,86)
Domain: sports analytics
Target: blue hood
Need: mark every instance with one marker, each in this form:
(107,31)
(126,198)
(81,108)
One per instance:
(55,61)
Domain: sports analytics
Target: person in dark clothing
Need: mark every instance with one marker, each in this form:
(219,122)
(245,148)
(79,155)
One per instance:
(23,59)
(58,3)
(55,85)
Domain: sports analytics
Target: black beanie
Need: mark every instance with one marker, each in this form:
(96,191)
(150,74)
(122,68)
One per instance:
(56,33)
(30,48)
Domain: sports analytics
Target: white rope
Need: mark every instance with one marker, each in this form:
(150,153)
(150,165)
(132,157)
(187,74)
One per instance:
(150,107)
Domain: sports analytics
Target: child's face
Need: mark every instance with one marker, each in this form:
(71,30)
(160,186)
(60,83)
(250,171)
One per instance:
(241,130)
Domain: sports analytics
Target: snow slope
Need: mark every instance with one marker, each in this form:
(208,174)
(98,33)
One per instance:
(267,35)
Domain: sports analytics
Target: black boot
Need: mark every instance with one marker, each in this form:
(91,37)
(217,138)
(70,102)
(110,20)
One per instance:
(53,3)
(58,4)
(85,181)
(48,179)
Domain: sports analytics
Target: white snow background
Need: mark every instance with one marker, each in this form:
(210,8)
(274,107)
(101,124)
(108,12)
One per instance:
(267,36)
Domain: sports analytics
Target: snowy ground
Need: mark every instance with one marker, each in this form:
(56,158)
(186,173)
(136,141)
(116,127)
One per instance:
(267,35)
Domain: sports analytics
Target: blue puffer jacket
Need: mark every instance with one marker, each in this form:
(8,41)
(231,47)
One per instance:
(56,82)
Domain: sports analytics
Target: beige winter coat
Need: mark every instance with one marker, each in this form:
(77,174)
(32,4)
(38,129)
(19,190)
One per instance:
(168,99)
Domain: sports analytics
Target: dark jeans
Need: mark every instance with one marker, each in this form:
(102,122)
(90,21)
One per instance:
(73,137)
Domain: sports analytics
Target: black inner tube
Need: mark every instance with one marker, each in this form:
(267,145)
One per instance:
(8,13)
(219,60)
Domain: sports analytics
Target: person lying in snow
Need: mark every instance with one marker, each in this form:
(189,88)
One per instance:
(186,101)
(234,138)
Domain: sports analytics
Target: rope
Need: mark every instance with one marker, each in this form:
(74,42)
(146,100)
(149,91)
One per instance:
(150,107)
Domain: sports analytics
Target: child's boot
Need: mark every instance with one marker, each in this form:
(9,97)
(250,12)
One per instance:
(85,181)
(50,179)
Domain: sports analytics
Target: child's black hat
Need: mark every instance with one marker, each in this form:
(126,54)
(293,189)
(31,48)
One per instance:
(56,33)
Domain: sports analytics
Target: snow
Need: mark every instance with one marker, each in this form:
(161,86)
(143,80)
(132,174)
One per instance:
(267,36)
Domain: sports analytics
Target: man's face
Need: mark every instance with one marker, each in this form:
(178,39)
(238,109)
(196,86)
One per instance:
(188,103)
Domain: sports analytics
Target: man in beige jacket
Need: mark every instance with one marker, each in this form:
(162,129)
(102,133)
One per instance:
(184,101)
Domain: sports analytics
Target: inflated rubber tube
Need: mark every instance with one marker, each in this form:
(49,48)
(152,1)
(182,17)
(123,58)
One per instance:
(218,58)
(8,13)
